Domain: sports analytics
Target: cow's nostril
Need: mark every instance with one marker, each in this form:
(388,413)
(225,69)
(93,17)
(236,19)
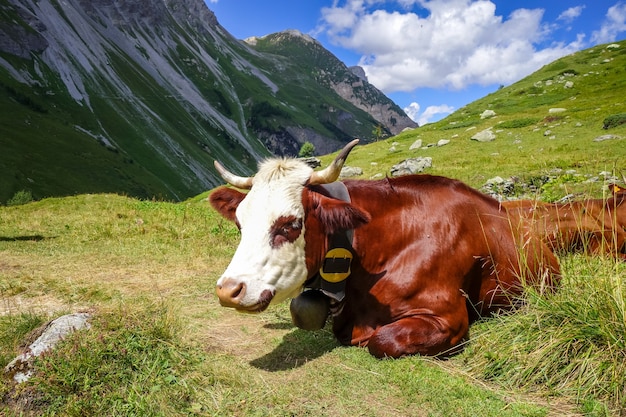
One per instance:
(230,292)
(238,290)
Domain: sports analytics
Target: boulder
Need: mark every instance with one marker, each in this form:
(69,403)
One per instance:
(487,113)
(606,137)
(411,166)
(52,333)
(348,171)
(556,110)
(484,136)
(312,161)
(416,145)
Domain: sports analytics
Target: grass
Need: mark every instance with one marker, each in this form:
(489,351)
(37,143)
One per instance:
(160,344)
(572,343)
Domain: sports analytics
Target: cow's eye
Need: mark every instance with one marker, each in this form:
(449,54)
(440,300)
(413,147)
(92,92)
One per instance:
(285,229)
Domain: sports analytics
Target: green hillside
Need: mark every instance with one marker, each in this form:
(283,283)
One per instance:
(532,142)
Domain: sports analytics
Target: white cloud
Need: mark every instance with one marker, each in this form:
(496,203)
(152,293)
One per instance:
(443,43)
(570,14)
(614,24)
(412,110)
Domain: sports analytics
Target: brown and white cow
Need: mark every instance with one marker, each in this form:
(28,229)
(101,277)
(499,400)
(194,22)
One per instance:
(430,254)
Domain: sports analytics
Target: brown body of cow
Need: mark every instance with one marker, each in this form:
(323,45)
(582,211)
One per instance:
(431,255)
(617,205)
(592,226)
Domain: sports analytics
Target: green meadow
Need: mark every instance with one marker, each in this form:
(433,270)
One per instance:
(160,344)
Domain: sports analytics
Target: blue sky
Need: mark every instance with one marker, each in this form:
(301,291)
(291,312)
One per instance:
(434,56)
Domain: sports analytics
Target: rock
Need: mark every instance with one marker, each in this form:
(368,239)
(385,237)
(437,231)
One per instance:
(495,180)
(443,142)
(22,41)
(411,166)
(416,145)
(359,72)
(498,187)
(568,84)
(52,334)
(348,171)
(487,113)
(547,132)
(556,110)
(606,137)
(312,161)
(484,136)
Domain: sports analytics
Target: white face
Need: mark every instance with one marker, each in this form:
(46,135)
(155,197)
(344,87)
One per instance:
(270,258)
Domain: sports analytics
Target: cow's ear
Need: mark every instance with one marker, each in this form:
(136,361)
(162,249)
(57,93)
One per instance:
(614,188)
(619,194)
(336,215)
(225,201)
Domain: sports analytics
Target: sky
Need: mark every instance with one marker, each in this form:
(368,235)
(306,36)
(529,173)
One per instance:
(432,57)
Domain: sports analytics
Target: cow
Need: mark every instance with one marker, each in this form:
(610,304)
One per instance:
(617,204)
(591,226)
(420,257)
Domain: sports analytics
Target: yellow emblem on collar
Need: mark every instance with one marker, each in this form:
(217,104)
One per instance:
(336,266)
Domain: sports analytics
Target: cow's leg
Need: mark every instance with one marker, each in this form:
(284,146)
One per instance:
(424,334)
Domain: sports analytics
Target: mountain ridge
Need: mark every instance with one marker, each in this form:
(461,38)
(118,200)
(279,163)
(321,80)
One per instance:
(140,97)
(349,83)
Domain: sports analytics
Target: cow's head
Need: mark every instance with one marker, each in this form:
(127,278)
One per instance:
(269,265)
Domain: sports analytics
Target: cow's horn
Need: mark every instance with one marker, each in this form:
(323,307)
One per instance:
(239,182)
(332,171)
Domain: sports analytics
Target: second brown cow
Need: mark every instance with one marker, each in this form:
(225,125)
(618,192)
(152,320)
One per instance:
(592,226)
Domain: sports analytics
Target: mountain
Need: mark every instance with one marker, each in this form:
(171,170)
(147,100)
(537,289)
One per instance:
(307,56)
(139,97)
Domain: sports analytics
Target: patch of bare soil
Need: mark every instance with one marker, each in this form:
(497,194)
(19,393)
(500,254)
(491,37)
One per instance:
(45,305)
(244,335)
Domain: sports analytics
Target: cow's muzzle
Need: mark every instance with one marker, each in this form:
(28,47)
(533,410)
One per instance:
(232,293)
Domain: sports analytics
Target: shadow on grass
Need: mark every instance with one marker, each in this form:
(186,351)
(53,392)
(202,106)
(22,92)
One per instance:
(285,325)
(296,349)
(34,238)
